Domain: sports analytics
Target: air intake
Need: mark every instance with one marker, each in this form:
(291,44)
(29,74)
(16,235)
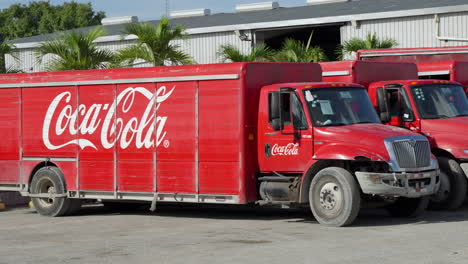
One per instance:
(119,20)
(257,6)
(191,13)
(321,2)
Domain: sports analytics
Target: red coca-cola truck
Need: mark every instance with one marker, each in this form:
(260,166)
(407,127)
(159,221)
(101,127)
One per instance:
(237,133)
(436,109)
(444,63)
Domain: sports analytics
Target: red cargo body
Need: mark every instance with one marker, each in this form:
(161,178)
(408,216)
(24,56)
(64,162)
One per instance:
(185,133)
(436,109)
(445,70)
(414,55)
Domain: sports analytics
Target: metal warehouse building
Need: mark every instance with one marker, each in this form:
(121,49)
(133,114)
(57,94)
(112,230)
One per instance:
(413,23)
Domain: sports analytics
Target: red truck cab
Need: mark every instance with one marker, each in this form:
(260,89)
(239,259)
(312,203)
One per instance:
(316,130)
(235,133)
(437,109)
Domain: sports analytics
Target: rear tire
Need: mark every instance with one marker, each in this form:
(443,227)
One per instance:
(50,180)
(334,197)
(453,186)
(408,207)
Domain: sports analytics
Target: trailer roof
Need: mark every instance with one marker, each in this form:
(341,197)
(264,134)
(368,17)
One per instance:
(292,16)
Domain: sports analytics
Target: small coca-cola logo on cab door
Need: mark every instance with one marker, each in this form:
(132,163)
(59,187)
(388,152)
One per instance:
(289,149)
(145,131)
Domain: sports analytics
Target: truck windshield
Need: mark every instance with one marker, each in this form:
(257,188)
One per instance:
(436,101)
(340,106)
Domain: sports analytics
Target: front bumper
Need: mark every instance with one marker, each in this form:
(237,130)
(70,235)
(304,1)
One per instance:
(399,184)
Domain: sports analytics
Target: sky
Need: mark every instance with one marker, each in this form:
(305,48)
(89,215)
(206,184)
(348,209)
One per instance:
(154,9)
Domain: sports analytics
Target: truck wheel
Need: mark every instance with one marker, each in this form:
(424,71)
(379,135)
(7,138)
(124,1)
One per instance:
(334,197)
(453,186)
(49,180)
(408,207)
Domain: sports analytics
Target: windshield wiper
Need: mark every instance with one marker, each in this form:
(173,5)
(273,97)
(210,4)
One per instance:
(443,117)
(364,122)
(460,115)
(336,124)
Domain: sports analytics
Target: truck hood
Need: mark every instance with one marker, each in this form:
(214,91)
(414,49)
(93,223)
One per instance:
(348,142)
(448,134)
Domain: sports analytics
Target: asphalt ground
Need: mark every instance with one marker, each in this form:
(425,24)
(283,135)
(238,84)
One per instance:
(195,234)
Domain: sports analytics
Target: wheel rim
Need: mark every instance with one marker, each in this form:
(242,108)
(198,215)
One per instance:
(444,190)
(330,199)
(46,186)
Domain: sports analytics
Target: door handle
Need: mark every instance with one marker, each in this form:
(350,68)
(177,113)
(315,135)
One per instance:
(271,133)
(267,150)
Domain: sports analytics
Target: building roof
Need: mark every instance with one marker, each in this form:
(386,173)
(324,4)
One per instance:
(293,16)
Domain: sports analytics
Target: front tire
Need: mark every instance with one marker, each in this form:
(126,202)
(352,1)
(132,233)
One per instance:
(408,207)
(334,197)
(50,180)
(453,186)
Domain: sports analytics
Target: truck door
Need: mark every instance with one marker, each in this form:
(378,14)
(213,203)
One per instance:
(401,110)
(285,136)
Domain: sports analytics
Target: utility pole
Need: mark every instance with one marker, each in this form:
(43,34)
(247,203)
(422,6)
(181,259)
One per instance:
(167,8)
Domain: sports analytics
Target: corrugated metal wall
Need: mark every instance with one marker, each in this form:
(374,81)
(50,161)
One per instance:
(202,47)
(413,32)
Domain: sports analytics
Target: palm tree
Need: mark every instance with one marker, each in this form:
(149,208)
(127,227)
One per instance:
(370,42)
(297,51)
(7,48)
(154,44)
(75,51)
(259,53)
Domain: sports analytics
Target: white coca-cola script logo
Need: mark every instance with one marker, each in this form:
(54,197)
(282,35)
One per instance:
(85,120)
(289,149)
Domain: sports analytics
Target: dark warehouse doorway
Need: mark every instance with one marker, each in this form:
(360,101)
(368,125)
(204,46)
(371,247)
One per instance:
(327,37)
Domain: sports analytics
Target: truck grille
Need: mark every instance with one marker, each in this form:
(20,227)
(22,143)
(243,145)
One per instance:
(412,154)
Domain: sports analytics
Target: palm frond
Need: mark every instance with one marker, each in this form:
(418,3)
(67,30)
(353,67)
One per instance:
(370,42)
(155,44)
(296,51)
(75,51)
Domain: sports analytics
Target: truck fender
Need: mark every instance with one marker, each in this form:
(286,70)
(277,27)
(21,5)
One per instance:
(36,168)
(333,156)
(314,167)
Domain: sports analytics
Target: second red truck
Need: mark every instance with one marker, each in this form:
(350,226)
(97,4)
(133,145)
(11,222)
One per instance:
(437,109)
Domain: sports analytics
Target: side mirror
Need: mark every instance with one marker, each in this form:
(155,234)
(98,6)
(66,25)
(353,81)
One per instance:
(407,116)
(276,123)
(382,105)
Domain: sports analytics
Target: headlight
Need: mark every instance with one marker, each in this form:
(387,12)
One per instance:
(465,151)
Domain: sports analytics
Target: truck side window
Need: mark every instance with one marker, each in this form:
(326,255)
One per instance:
(273,107)
(393,102)
(299,119)
(399,104)
(407,113)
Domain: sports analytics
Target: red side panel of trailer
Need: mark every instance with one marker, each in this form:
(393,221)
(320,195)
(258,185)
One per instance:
(364,72)
(415,55)
(10,127)
(455,70)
